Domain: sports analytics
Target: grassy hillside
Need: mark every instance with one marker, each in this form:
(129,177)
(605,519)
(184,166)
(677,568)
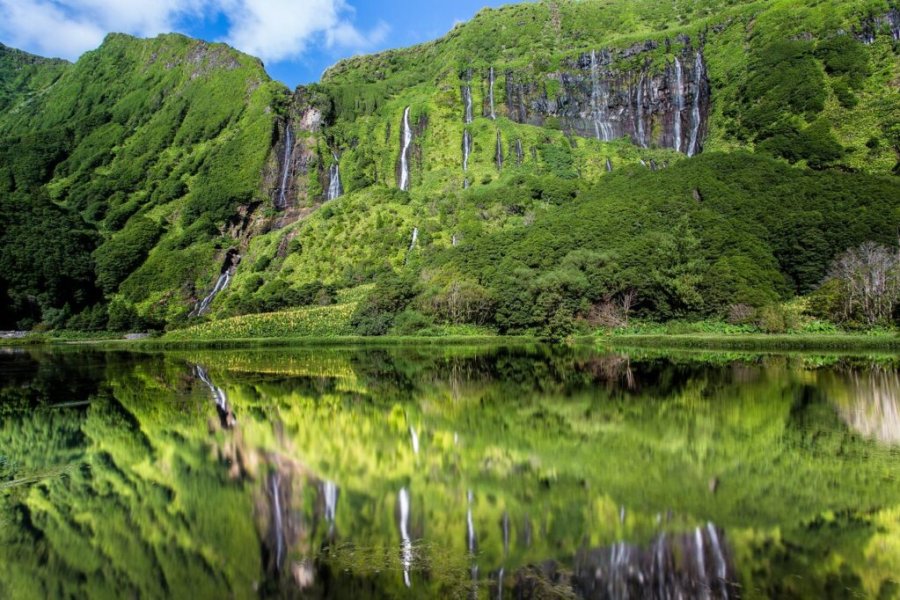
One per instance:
(162,162)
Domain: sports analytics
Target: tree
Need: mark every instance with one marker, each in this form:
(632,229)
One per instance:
(869,282)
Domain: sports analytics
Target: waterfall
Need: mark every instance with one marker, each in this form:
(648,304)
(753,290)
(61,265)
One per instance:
(330,492)
(639,114)
(695,110)
(286,166)
(679,101)
(520,153)
(499,156)
(453,240)
(404,152)
(466,183)
(602,127)
(500,584)
(413,435)
(467,100)
(406,553)
(609,166)
(335,189)
(491,92)
(504,525)
(231,261)
(467,149)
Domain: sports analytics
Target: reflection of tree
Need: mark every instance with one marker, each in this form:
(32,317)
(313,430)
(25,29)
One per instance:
(872,404)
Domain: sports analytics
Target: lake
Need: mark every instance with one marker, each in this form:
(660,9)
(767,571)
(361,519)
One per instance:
(469,472)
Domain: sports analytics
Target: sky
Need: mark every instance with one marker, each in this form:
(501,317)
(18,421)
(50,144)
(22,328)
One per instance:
(296,39)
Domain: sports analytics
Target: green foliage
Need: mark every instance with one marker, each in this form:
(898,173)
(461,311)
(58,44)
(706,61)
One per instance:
(124,252)
(391,295)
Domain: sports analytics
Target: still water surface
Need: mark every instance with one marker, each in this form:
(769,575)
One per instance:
(448,472)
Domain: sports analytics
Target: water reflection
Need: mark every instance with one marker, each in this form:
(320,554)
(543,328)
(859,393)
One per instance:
(870,404)
(543,472)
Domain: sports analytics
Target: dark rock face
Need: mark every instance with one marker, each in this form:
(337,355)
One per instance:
(665,107)
(872,26)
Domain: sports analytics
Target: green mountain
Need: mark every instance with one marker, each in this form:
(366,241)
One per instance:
(534,167)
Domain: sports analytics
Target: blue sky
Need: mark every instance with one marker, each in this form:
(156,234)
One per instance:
(297,39)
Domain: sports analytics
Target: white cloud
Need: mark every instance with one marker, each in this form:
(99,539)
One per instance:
(274,30)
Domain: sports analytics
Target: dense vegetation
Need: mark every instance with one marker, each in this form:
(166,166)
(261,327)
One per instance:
(149,161)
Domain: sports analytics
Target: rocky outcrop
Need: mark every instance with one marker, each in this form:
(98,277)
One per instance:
(873,26)
(663,106)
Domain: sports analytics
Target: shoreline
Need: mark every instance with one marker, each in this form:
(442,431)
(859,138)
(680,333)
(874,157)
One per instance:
(739,342)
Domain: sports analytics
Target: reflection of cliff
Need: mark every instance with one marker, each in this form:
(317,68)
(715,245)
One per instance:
(690,565)
(872,405)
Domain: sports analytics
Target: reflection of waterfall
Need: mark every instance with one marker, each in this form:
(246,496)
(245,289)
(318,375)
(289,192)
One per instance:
(695,109)
(277,519)
(406,553)
(470,527)
(286,166)
(414,439)
(873,405)
(335,189)
(330,492)
(406,137)
(691,565)
(228,266)
(467,149)
(493,115)
(679,101)
(467,101)
(226,416)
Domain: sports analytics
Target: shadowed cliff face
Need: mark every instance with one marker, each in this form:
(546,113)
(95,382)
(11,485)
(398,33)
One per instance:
(655,105)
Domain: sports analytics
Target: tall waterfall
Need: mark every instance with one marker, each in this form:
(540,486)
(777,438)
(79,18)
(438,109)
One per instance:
(520,152)
(602,126)
(404,152)
(609,166)
(335,189)
(491,92)
(639,114)
(406,552)
(470,526)
(695,110)
(286,165)
(467,149)
(499,153)
(231,261)
(679,101)
(467,101)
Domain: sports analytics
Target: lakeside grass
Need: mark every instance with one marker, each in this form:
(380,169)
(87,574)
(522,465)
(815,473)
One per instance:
(725,342)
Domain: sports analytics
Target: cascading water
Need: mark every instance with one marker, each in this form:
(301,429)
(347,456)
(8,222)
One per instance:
(609,166)
(406,137)
(470,526)
(693,147)
(286,166)
(493,114)
(467,102)
(231,261)
(406,553)
(639,114)
(520,152)
(602,126)
(679,102)
(335,189)
(467,149)
(499,153)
